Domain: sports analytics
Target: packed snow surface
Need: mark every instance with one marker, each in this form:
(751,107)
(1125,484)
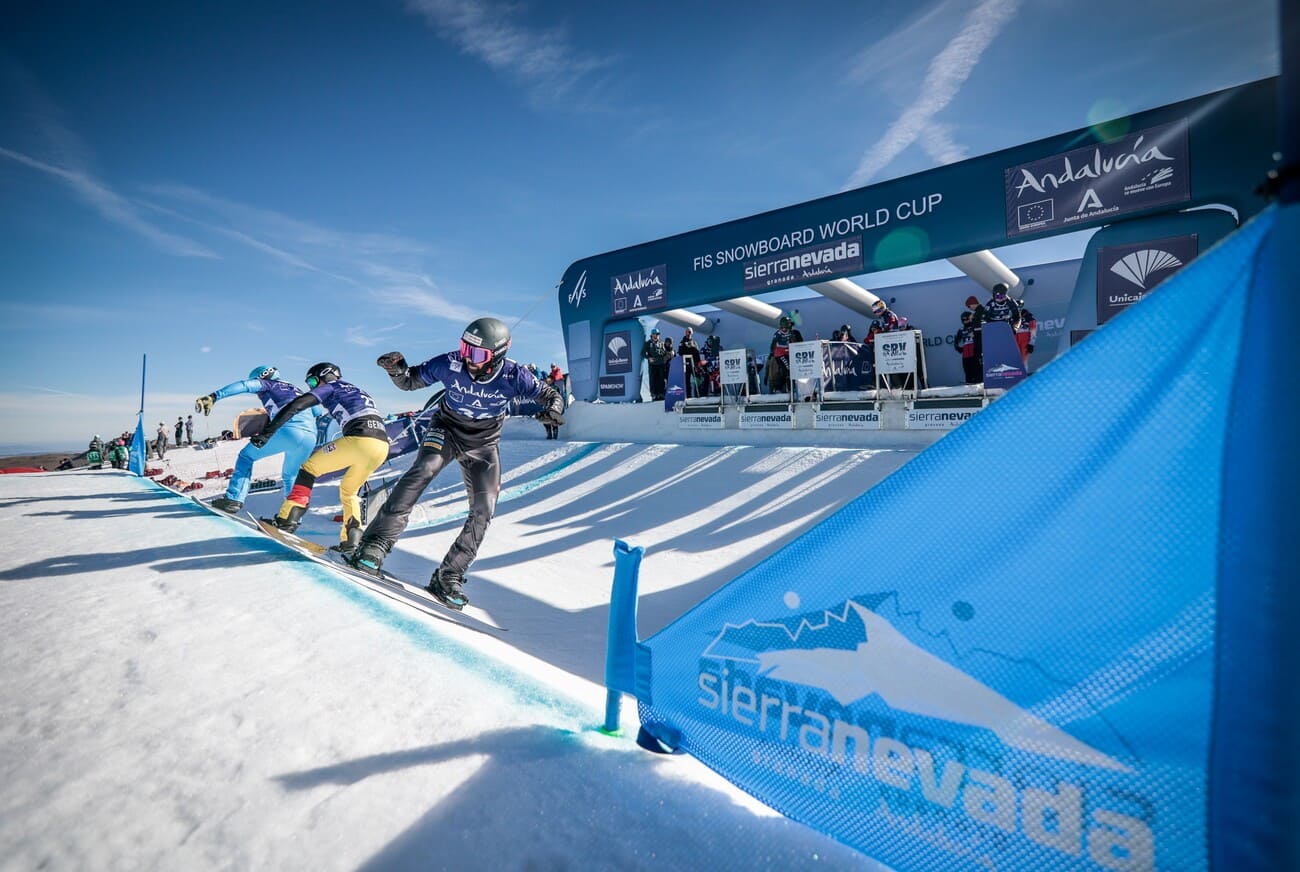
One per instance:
(180,692)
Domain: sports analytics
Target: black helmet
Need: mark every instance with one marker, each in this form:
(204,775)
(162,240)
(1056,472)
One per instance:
(1000,289)
(785,322)
(322,374)
(966,316)
(483,347)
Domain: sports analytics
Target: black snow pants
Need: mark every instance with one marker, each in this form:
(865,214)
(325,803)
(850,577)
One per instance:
(480,466)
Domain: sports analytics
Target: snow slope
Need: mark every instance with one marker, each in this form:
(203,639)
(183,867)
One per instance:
(179,692)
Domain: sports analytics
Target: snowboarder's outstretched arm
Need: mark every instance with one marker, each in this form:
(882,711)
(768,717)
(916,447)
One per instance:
(244,386)
(303,401)
(405,377)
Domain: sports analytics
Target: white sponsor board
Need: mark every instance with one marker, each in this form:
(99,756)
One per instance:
(767,420)
(896,352)
(847,419)
(805,360)
(700,421)
(939,417)
(732,366)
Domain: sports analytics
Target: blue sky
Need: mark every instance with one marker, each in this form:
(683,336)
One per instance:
(226,185)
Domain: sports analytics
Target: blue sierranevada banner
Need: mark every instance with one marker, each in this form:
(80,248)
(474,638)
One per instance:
(1023,679)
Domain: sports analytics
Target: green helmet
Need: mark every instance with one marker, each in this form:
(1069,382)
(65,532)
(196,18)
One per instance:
(483,347)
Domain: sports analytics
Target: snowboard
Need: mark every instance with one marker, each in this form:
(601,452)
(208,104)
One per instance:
(389,585)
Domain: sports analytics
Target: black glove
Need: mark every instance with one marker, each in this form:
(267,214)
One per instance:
(260,439)
(551,418)
(204,404)
(392,363)
(1029,349)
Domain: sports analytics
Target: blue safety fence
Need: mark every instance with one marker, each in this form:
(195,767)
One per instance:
(1026,672)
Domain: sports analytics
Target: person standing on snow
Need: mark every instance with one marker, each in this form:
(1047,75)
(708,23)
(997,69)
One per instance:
(481,382)
(361,449)
(295,441)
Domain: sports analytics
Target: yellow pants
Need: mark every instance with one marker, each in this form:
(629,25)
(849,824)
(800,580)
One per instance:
(360,455)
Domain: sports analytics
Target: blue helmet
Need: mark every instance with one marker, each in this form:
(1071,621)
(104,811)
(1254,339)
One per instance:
(264,372)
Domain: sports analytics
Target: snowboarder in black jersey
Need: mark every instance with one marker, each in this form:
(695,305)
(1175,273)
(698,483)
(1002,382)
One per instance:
(481,384)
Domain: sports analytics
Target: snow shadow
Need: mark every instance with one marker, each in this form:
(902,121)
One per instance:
(223,553)
(622,806)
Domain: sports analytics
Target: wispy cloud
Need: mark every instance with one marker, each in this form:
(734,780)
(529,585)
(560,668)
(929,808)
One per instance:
(111,205)
(50,147)
(367,336)
(423,301)
(386,268)
(944,78)
(17,314)
(543,60)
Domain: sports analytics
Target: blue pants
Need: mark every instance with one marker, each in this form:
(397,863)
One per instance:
(297,443)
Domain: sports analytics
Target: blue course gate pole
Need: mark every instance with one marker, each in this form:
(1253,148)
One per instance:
(621,645)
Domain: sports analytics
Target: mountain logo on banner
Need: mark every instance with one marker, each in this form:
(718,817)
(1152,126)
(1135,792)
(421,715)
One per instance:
(1138,266)
(857,654)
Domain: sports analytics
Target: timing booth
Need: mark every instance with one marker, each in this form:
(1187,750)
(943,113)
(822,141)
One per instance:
(1162,185)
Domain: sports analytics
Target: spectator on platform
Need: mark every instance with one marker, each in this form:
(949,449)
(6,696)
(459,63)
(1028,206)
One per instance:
(964,342)
(846,333)
(885,319)
(689,351)
(1026,333)
(657,364)
(778,360)
(1001,307)
(180,431)
(189,429)
(978,317)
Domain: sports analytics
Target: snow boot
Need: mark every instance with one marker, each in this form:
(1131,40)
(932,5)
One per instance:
(227,505)
(289,524)
(352,538)
(445,586)
(367,557)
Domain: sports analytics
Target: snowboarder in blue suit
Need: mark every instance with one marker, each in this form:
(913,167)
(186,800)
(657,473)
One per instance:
(295,440)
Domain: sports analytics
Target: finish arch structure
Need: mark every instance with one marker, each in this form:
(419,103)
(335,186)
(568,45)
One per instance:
(1136,176)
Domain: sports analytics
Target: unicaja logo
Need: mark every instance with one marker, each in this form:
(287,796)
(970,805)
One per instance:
(1138,266)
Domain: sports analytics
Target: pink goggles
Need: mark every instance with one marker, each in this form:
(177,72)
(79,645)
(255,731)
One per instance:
(474,354)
